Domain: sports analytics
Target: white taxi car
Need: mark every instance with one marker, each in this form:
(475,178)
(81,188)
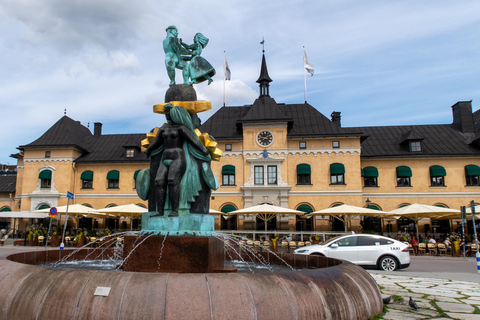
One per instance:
(363,249)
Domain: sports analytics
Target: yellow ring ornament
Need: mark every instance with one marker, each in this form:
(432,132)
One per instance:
(191,106)
(211,146)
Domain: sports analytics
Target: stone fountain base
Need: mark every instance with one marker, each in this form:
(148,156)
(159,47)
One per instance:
(335,290)
(178,254)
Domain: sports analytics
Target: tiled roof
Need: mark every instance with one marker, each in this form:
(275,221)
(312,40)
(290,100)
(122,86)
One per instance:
(8,183)
(305,120)
(65,132)
(438,140)
(264,109)
(112,148)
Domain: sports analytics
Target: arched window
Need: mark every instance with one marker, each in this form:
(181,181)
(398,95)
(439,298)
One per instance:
(43,206)
(87,179)
(371,224)
(370,175)
(113,179)
(230,222)
(437,176)
(304,224)
(45,177)
(228,175)
(337,173)
(5,209)
(472,175)
(304,174)
(403,176)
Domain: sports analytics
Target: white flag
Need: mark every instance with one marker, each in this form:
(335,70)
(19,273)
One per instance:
(226,70)
(307,65)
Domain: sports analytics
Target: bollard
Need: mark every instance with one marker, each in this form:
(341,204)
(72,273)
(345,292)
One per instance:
(478,262)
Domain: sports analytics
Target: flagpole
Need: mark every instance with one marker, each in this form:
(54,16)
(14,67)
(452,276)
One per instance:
(305,76)
(224,75)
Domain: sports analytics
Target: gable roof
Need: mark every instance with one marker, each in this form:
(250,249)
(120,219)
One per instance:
(264,109)
(442,140)
(8,183)
(66,132)
(112,148)
(304,120)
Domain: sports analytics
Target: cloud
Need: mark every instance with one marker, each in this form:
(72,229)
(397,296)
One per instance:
(76,24)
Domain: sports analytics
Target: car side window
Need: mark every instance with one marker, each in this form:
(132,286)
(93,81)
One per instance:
(369,241)
(347,242)
(386,241)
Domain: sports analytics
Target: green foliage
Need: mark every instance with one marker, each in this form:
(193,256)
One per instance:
(397,298)
(440,311)
(380,315)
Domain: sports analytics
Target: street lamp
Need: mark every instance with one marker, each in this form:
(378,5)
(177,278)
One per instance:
(368,202)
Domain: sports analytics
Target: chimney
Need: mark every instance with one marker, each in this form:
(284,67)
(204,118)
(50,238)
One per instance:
(97,129)
(462,116)
(336,118)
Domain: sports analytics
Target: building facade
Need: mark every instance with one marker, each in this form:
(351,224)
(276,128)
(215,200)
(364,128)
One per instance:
(289,155)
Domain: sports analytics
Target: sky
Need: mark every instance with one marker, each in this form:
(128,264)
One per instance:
(377,62)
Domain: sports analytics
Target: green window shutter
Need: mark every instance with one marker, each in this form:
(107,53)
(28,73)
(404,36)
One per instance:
(404,171)
(337,168)
(135,175)
(43,206)
(228,169)
(304,169)
(436,171)
(472,170)
(228,208)
(370,172)
(87,175)
(373,207)
(305,208)
(363,172)
(45,174)
(113,175)
(5,209)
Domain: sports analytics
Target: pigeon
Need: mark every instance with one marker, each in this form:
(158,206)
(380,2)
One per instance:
(386,300)
(412,304)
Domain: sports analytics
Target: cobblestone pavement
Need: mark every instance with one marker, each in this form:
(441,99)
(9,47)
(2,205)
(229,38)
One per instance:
(436,298)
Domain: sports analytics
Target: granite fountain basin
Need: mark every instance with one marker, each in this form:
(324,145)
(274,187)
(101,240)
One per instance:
(323,288)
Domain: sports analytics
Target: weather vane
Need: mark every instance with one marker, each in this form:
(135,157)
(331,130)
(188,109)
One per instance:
(263,44)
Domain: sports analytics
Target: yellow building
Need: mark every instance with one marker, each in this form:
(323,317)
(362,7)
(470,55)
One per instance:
(288,155)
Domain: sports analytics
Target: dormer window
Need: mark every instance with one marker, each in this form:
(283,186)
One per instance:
(130,152)
(415,146)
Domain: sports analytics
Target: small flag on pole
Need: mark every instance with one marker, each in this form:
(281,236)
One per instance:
(226,70)
(307,65)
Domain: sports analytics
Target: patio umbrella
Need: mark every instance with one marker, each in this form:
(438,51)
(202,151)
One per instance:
(418,211)
(130,211)
(349,211)
(266,212)
(76,211)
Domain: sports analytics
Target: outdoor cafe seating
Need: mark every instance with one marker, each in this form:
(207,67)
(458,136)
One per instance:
(422,248)
(432,249)
(442,248)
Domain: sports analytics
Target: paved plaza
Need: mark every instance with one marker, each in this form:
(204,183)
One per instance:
(436,298)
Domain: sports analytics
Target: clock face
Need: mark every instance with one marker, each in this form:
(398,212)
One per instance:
(264,138)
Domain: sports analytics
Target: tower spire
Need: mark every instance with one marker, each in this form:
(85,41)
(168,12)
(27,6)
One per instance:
(264,80)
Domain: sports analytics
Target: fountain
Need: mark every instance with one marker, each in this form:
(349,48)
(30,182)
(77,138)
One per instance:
(174,269)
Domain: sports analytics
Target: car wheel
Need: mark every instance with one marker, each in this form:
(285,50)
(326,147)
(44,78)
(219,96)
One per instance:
(388,263)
